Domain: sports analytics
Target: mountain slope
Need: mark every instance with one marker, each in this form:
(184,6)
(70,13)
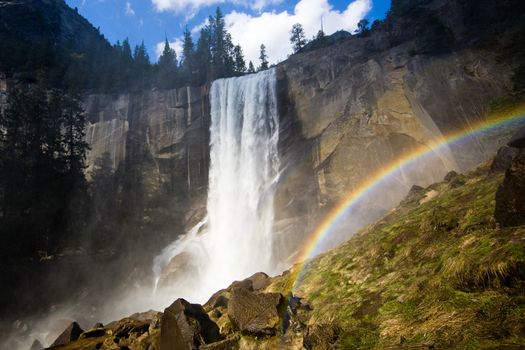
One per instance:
(48,40)
(437,271)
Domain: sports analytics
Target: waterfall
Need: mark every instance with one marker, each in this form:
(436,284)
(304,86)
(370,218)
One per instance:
(244,165)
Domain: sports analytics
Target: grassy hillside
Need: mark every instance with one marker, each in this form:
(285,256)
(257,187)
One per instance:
(437,272)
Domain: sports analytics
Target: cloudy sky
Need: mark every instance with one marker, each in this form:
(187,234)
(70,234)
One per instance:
(251,23)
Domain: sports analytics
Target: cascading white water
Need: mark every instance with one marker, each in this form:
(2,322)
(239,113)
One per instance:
(243,174)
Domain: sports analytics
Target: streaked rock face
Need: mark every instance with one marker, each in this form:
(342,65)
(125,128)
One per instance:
(346,112)
(353,108)
(160,136)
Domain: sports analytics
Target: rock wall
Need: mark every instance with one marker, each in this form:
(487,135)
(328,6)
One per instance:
(352,108)
(346,112)
(156,138)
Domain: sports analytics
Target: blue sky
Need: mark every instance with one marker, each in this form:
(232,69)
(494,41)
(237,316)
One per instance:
(250,22)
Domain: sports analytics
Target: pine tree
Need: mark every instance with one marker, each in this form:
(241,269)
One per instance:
(362,27)
(140,56)
(264,58)
(188,54)
(126,55)
(203,56)
(218,33)
(141,66)
(240,64)
(251,68)
(167,68)
(42,162)
(297,37)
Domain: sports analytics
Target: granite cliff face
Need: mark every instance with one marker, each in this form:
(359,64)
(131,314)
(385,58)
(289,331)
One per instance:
(346,111)
(157,138)
(354,109)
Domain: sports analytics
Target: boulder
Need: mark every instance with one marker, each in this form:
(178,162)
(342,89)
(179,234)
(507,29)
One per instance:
(415,192)
(518,140)
(454,179)
(186,326)
(320,337)
(503,159)
(254,313)
(259,280)
(510,197)
(71,333)
(451,175)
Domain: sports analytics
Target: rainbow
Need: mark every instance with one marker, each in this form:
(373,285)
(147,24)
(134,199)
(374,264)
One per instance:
(350,200)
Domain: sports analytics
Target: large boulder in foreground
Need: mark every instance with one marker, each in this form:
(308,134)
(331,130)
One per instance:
(186,326)
(71,333)
(510,197)
(254,313)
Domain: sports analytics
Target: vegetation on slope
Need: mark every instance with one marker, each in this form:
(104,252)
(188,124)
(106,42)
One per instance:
(435,272)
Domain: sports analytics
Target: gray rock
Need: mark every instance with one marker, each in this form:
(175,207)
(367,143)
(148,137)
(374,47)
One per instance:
(259,280)
(254,313)
(451,175)
(503,159)
(71,333)
(186,326)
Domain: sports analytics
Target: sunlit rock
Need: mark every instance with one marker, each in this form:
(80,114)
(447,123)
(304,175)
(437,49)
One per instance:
(254,313)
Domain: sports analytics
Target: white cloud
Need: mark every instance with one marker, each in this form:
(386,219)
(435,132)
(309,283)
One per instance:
(272,28)
(192,6)
(175,45)
(129,10)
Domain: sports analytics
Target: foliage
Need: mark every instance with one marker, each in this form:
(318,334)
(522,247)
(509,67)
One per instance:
(167,68)
(264,58)
(41,166)
(99,66)
(297,37)
(251,68)
(411,20)
(363,27)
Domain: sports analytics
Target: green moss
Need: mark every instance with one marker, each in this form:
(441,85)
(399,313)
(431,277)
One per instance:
(435,272)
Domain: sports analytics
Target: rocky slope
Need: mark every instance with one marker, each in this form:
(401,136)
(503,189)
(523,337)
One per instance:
(440,271)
